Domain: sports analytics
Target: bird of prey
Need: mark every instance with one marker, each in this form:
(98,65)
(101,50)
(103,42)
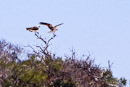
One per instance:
(53,29)
(33,29)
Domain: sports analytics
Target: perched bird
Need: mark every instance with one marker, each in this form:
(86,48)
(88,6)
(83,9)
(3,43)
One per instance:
(33,29)
(53,29)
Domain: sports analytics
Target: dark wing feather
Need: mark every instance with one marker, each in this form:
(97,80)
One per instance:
(33,29)
(49,25)
(28,28)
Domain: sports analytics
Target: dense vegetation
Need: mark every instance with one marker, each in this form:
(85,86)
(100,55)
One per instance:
(44,69)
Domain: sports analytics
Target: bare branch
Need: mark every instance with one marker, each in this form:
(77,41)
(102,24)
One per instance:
(44,49)
(39,37)
(51,38)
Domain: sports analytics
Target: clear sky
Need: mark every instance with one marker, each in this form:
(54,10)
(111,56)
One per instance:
(98,27)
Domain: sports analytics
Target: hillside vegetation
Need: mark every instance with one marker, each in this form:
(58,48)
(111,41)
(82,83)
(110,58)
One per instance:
(44,69)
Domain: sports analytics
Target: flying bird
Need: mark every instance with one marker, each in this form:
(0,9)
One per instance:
(33,29)
(53,29)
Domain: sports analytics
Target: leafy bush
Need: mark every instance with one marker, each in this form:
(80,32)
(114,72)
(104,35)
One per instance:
(43,69)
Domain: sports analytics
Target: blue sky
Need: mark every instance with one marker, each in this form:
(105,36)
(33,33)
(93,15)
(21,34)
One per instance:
(98,27)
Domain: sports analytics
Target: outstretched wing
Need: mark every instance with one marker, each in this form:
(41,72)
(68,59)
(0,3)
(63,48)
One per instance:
(47,24)
(57,25)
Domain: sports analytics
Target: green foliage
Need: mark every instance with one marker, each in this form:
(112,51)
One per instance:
(45,70)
